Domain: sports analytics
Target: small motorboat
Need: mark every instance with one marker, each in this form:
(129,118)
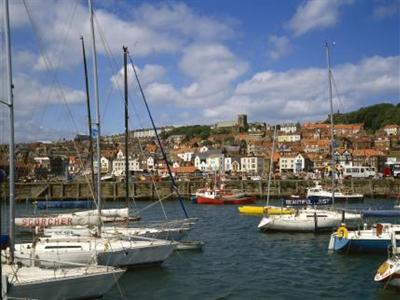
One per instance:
(222,196)
(318,192)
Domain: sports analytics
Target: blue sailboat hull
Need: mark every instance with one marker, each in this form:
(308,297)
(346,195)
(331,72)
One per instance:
(362,245)
(64,204)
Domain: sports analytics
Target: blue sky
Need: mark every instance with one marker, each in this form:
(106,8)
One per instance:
(199,61)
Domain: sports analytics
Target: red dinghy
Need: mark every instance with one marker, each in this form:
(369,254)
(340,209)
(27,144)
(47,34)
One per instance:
(218,197)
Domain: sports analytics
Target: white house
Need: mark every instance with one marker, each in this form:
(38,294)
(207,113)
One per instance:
(150,163)
(392,129)
(42,161)
(294,164)
(299,163)
(286,164)
(289,138)
(288,127)
(252,164)
(215,162)
(232,164)
(118,164)
(200,162)
(186,156)
(104,163)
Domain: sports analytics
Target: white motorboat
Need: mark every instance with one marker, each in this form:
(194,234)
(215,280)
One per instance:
(62,250)
(307,220)
(375,239)
(389,271)
(317,192)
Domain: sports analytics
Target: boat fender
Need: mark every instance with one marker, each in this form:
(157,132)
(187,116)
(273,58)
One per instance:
(342,232)
(379,229)
(106,245)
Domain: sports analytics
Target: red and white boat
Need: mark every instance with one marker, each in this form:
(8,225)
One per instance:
(222,196)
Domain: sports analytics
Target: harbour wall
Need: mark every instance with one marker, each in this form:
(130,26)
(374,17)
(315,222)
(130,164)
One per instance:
(143,190)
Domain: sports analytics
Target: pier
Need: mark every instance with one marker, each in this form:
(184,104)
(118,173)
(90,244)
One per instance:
(145,190)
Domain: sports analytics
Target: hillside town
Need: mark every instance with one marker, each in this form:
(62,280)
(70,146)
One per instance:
(235,148)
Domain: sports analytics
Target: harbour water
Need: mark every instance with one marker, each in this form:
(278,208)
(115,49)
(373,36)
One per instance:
(240,262)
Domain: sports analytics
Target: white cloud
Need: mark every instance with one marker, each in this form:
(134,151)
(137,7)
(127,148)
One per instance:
(180,18)
(32,100)
(278,46)
(17,13)
(150,29)
(147,75)
(212,67)
(303,94)
(387,10)
(316,15)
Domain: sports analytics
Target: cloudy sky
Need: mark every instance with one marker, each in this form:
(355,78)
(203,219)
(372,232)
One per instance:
(199,61)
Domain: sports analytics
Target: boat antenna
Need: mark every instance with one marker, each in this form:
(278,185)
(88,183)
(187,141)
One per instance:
(96,95)
(126,124)
(174,185)
(88,110)
(10,104)
(271,162)
(328,61)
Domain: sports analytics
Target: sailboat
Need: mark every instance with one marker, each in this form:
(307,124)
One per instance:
(267,209)
(78,282)
(311,219)
(109,251)
(172,230)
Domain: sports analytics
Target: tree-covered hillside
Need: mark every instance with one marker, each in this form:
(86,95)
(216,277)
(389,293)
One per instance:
(201,131)
(374,117)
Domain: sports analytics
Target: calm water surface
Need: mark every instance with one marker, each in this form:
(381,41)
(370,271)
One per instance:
(240,262)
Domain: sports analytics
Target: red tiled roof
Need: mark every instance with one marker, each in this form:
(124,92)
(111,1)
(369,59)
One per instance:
(367,152)
(184,169)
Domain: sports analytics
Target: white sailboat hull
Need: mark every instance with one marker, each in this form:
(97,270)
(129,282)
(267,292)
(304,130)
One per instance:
(172,234)
(308,220)
(61,251)
(76,283)
(152,254)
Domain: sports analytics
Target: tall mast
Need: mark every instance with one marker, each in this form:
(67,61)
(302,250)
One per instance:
(271,162)
(328,61)
(96,95)
(174,186)
(10,104)
(88,111)
(126,124)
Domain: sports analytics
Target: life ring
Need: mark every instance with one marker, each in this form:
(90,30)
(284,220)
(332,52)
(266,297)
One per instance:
(342,232)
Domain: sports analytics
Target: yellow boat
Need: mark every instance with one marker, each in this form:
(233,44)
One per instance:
(261,210)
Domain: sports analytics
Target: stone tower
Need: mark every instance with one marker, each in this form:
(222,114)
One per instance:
(242,123)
